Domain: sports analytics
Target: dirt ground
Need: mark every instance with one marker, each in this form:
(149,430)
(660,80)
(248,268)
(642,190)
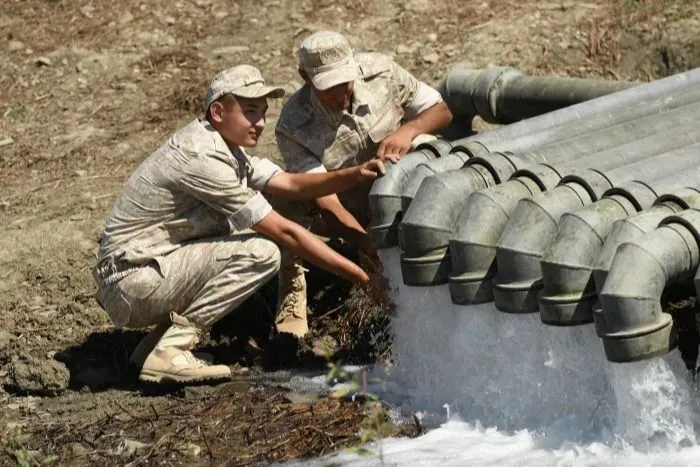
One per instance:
(89,88)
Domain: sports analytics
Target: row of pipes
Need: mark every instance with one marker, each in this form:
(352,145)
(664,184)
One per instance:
(585,213)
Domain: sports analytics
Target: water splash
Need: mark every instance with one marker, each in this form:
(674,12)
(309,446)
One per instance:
(654,409)
(512,372)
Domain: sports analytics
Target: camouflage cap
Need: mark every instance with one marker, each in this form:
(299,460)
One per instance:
(242,81)
(327,59)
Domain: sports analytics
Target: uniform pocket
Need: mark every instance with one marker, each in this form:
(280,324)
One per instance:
(386,123)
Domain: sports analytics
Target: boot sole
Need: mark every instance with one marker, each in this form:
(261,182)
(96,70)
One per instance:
(166,378)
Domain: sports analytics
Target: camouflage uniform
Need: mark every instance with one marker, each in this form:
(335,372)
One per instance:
(178,250)
(312,138)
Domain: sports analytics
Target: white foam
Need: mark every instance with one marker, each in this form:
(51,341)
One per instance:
(546,395)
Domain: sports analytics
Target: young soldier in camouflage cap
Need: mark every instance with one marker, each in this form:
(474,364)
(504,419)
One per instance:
(351,109)
(190,236)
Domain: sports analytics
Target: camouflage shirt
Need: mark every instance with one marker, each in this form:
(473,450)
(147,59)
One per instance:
(192,187)
(311,137)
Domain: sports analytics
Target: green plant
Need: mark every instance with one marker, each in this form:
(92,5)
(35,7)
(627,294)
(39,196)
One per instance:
(17,450)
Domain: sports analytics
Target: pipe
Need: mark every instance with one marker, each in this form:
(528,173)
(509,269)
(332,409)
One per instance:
(631,322)
(550,137)
(424,260)
(385,194)
(384,213)
(568,293)
(637,226)
(534,222)
(468,279)
(504,95)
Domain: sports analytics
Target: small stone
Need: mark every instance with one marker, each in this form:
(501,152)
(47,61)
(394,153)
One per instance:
(29,51)
(432,37)
(87,11)
(6,141)
(220,15)
(64,62)
(190,449)
(431,58)
(80,173)
(564,44)
(403,49)
(43,61)
(170,20)
(15,46)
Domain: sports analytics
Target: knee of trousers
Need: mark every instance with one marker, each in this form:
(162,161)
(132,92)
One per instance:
(267,254)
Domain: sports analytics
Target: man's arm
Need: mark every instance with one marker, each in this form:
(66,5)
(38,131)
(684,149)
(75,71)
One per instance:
(303,243)
(430,121)
(308,186)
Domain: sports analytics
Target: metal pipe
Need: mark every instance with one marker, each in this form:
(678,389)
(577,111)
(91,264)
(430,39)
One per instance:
(552,138)
(585,113)
(504,95)
(631,322)
(385,194)
(637,226)
(534,222)
(467,280)
(424,261)
(568,293)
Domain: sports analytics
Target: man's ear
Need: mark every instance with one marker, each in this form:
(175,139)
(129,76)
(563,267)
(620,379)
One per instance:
(216,109)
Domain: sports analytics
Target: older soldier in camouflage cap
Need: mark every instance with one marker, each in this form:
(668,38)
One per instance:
(191,236)
(351,109)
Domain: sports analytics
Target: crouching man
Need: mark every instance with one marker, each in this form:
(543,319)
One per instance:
(190,237)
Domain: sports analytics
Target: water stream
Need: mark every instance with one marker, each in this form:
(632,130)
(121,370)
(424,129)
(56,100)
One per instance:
(504,389)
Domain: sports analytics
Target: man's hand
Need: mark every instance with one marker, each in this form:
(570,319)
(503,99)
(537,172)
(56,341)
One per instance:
(370,170)
(396,144)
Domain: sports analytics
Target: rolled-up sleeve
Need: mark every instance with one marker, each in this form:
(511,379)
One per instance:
(425,98)
(297,159)
(261,171)
(217,185)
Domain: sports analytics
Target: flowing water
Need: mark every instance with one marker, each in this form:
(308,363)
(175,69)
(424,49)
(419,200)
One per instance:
(503,389)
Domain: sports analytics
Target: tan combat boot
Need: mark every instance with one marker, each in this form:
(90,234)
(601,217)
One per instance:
(291,301)
(172,362)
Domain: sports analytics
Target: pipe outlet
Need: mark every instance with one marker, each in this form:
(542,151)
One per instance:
(524,239)
(636,226)
(385,198)
(631,321)
(426,229)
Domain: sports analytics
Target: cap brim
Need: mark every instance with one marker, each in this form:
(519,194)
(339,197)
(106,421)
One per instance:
(254,92)
(334,77)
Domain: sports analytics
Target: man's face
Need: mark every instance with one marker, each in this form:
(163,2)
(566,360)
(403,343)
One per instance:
(336,98)
(240,120)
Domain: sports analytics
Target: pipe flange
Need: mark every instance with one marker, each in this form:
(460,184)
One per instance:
(487,84)
(517,297)
(642,343)
(471,288)
(567,310)
(426,270)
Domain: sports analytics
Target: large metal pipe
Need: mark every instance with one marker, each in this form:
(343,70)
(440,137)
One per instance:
(425,260)
(635,227)
(381,227)
(429,223)
(505,95)
(534,222)
(549,137)
(631,322)
(385,194)
(568,292)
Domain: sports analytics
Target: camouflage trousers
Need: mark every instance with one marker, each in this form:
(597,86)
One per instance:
(203,281)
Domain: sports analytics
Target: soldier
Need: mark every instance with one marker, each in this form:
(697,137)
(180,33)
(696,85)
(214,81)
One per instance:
(352,108)
(190,236)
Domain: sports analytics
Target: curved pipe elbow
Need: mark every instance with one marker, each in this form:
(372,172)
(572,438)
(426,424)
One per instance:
(385,198)
(631,322)
(568,293)
(427,226)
